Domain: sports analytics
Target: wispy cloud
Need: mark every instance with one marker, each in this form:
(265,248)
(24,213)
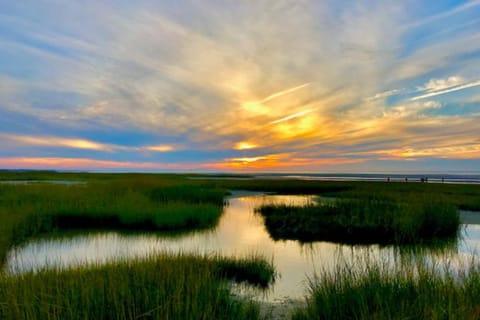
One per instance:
(446,89)
(293,116)
(244,79)
(59,142)
(284,92)
(440,84)
(384,94)
(74,143)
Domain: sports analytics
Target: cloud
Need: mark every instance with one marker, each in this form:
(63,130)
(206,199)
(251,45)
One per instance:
(446,88)
(75,143)
(279,162)
(384,94)
(440,84)
(159,148)
(59,163)
(293,116)
(468,5)
(283,92)
(245,145)
(58,142)
(244,77)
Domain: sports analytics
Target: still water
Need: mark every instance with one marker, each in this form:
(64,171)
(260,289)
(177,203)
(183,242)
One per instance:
(240,232)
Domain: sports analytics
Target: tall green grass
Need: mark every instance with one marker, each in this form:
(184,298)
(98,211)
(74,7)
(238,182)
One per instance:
(122,203)
(405,291)
(409,221)
(161,287)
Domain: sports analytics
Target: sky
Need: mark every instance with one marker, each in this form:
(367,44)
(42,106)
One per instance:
(240,86)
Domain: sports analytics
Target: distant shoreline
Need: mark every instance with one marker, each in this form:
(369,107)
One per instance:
(427,178)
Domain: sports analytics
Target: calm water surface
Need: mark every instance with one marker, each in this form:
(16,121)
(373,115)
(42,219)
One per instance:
(240,232)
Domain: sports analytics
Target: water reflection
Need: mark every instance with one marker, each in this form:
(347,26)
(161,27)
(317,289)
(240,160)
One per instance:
(240,232)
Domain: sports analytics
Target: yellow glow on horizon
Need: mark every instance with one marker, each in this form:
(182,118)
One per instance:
(278,161)
(247,160)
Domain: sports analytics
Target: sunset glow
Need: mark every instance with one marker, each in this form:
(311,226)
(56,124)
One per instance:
(310,86)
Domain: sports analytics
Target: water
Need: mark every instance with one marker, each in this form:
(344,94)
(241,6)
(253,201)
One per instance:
(240,232)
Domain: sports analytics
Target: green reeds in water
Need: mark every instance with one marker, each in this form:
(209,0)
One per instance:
(377,290)
(130,203)
(372,220)
(162,287)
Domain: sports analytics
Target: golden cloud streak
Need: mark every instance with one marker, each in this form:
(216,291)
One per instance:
(259,106)
(48,141)
(293,116)
(60,142)
(284,92)
(467,151)
(159,148)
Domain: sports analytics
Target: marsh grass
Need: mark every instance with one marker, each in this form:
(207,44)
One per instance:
(361,221)
(121,203)
(462,196)
(406,291)
(162,287)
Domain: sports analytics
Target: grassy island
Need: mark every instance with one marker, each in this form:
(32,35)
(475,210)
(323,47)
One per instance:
(360,221)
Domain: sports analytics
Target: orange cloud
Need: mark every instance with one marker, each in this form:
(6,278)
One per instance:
(279,161)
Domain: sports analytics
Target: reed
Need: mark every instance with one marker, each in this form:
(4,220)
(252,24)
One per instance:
(405,291)
(159,287)
(376,220)
(131,203)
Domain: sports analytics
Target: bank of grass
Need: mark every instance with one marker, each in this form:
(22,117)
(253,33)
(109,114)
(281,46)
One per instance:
(160,287)
(123,202)
(411,220)
(407,291)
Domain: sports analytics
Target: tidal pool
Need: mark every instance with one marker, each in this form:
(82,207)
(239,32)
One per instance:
(240,232)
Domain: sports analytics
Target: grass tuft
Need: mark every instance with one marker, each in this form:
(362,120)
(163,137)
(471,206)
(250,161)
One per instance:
(375,220)
(409,291)
(161,287)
